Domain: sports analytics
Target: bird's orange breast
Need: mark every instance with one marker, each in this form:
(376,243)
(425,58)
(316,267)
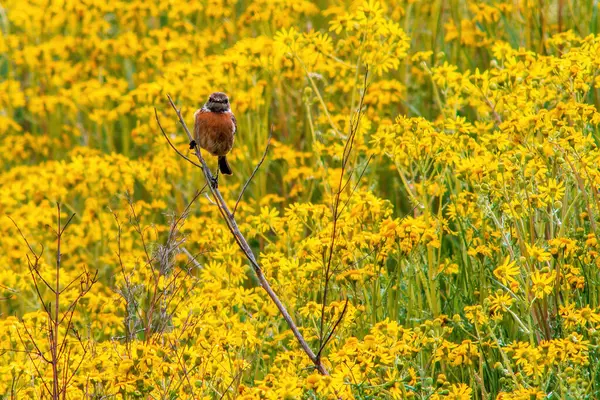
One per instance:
(214,132)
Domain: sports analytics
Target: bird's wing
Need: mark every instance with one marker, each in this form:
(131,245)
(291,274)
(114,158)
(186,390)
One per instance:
(234,123)
(198,122)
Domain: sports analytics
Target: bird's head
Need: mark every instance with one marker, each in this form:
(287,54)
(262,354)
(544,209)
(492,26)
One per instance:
(217,102)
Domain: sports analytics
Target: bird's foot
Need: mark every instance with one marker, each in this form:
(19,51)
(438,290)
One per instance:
(192,144)
(215,181)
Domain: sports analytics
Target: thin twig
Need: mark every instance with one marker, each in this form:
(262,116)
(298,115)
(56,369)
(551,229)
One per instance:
(245,247)
(253,172)
(235,378)
(29,354)
(25,239)
(60,349)
(339,320)
(192,258)
(356,185)
(171,144)
(348,146)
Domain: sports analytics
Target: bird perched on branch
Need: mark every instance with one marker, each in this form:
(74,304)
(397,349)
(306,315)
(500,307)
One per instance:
(214,130)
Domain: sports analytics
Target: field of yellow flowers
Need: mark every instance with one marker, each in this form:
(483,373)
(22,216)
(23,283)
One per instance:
(427,210)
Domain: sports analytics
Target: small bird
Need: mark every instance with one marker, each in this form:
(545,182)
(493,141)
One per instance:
(214,130)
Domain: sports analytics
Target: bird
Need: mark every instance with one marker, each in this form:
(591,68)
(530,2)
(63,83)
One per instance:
(215,127)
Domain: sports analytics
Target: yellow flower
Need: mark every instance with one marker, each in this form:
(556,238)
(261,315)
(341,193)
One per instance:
(522,393)
(538,253)
(459,392)
(313,380)
(542,283)
(552,191)
(507,272)
(405,167)
(499,303)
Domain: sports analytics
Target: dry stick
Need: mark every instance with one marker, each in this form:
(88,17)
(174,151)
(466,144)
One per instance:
(356,184)
(147,320)
(29,354)
(335,216)
(243,244)
(57,347)
(128,334)
(253,172)
(174,243)
(173,147)
(192,258)
(339,321)
(235,378)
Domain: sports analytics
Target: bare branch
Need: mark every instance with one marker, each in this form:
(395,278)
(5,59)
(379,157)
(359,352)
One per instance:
(253,172)
(29,354)
(170,143)
(327,273)
(25,239)
(235,378)
(245,247)
(138,228)
(125,278)
(192,258)
(335,326)
(34,268)
(356,184)
(66,224)
(32,340)
(59,348)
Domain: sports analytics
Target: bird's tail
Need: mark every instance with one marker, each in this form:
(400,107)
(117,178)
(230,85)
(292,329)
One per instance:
(224,166)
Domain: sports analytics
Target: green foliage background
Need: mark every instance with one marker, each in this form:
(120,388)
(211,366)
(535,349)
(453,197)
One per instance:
(466,246)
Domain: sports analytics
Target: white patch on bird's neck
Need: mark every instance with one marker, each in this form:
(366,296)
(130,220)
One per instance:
(217,107)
